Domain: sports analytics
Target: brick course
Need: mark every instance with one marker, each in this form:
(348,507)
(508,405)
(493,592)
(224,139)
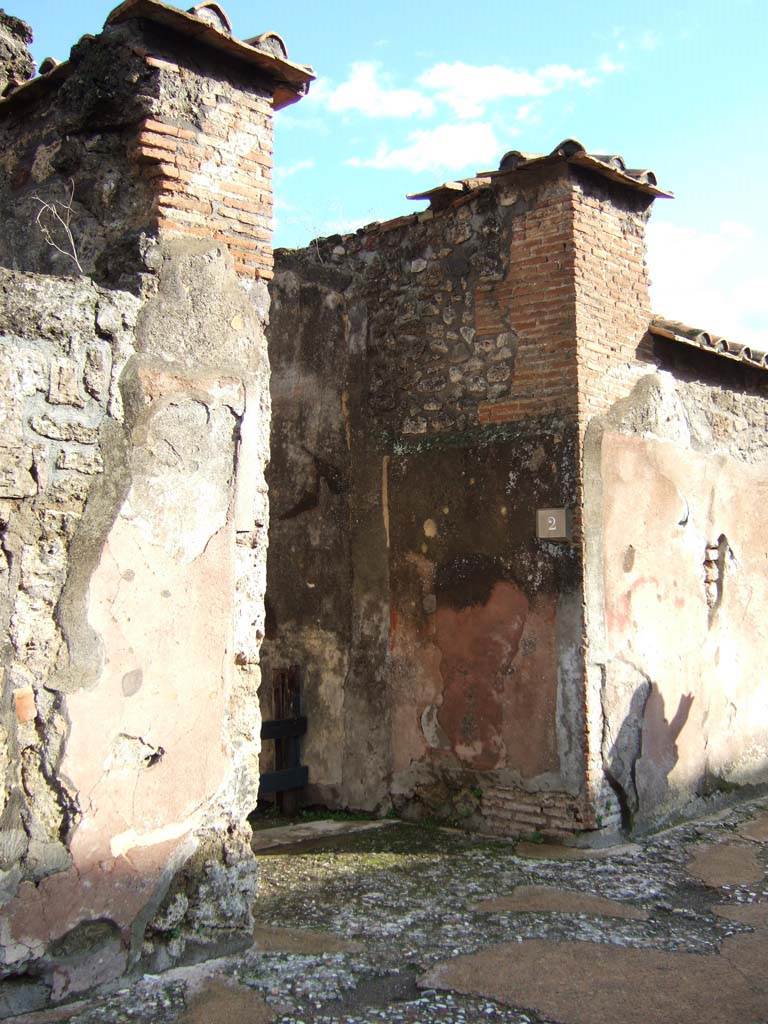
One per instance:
(511,811)
(213,179)
(611,293)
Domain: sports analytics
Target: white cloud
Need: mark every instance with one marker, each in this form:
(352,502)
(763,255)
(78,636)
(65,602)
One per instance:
(469,88)
(525,112)
(367,91)
(712,279)
(287,172)
(448,146)
(608,66)
(649,40)
(301,122)
(346,225)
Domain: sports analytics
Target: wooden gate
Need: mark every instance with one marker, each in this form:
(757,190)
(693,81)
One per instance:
(286,730)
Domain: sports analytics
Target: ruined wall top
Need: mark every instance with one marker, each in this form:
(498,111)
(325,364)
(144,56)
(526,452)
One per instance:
(206,25)
(159,126)
(516,291)
(467,312)
(16,64)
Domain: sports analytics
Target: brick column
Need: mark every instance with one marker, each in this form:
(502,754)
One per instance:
(537,298)
(611,293)
(612,316)
(215,181)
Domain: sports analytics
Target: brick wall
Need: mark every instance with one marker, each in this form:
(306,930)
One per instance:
(213,178)
(576,293)
(612,313)
(611,293)
(536,298)
(513,811)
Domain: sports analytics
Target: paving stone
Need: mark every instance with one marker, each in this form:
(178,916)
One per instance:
(589,983)
(756,828)
(222,1003)
(547,899)
(720,864)
(271,939)
(555,851)
(289,835)
(753,914)
(54,1016)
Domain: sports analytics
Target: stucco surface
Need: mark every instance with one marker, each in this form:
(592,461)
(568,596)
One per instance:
(478,640)
(692,647)
(480,700)
(133,732)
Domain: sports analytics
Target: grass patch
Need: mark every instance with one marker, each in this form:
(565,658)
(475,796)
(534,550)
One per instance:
(272,817)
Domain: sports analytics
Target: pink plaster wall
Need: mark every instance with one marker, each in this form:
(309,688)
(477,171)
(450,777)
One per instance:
(707,714)
(148,750)
(489,671)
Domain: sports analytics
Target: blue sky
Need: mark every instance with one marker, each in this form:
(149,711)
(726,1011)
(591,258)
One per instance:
(412,94)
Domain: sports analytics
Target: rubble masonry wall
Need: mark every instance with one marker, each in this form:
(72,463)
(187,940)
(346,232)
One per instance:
(439,640)
(438,378)
(135,413)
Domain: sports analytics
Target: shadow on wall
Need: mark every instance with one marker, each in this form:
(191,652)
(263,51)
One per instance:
(644,753)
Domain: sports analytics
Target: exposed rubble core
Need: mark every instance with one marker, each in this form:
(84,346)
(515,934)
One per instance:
(135,409)
(16,64)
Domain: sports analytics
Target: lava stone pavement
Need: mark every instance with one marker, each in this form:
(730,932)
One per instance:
(405,924)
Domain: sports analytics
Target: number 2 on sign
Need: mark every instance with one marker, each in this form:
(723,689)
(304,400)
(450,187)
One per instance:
(551,523)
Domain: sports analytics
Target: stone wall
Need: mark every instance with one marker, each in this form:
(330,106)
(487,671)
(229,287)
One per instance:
(471,309)
(310,581)
(424,398)
(437,379)
(134,542)
(16,64)
(135,416)
(67,143)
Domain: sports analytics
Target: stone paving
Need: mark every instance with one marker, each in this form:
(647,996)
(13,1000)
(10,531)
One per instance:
(414,924)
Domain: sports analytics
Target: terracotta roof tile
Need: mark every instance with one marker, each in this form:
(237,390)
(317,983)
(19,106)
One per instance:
(569,150)
(718,345)
(208,24)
